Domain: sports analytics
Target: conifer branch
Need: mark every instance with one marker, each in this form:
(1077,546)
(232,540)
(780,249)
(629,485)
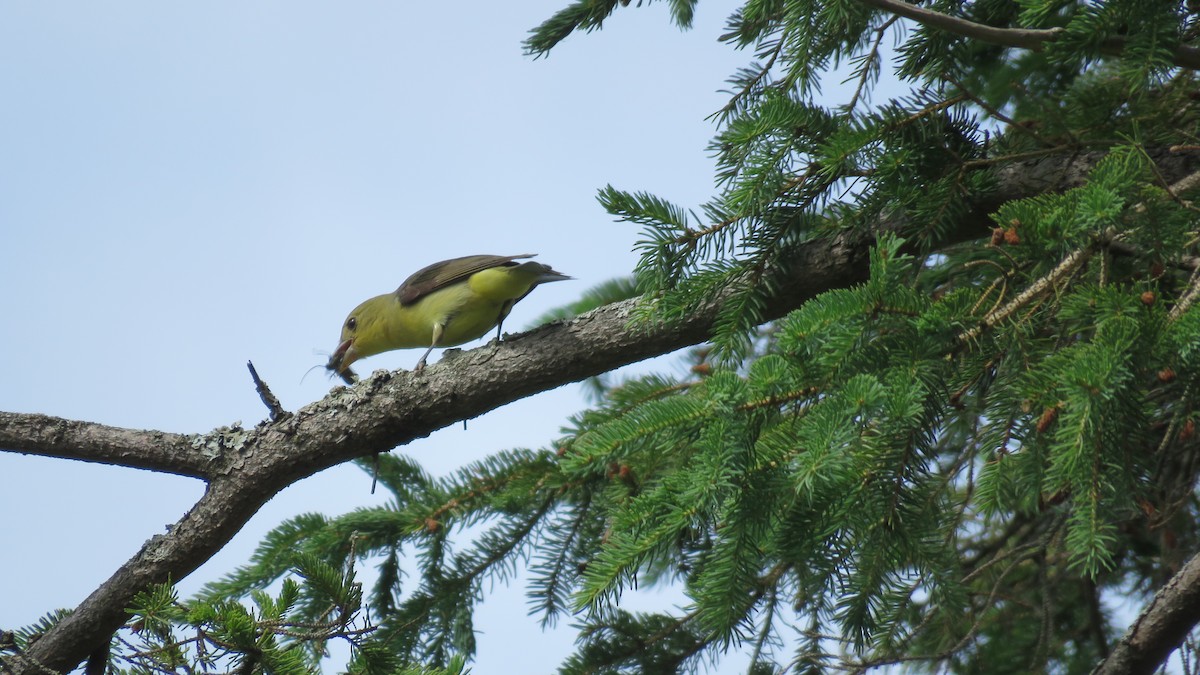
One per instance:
(1064,269)
(245,468)
(1013,558)
(996,114)
(1034,39)
(751,83)
(1189,296)
(1186,184)
(870,57)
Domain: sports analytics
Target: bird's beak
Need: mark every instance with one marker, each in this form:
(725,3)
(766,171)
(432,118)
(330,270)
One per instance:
(340,360)
(551,275)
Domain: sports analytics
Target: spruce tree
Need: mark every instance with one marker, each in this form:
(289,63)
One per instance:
(957,456)
(951,464)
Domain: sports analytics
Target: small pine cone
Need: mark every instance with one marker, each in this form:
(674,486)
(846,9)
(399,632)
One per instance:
(1048,416)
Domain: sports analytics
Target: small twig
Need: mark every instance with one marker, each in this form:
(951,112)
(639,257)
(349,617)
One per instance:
(1185,184)
(754,81)
(268,399)
(1187,263)
(1188,182)
(1001,281)
(1015,157)
(928,110)
(869,58)
(994,112)
(1189,297)
(1052,278)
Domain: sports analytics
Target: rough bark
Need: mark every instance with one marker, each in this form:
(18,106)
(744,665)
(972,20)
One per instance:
(246,467)
(1160,628)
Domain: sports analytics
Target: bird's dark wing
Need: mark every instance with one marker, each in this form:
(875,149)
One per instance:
(442,274)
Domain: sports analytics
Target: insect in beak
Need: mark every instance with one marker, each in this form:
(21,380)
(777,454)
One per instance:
(340,360)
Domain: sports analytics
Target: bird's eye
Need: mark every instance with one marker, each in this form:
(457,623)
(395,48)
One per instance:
(351,323)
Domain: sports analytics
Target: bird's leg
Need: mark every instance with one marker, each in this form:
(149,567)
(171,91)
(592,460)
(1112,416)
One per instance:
(438,329)
(421,364)
(503,315)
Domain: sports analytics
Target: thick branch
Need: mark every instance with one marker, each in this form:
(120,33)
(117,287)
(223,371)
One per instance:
(387,410)
(382,412)
(208,526)
(48,436)
(1023,38)
(1160,628)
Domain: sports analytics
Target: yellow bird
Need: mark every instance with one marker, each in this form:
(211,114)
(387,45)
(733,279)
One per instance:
(443,305)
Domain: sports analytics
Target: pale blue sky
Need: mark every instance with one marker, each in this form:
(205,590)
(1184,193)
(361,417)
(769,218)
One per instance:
(184,187)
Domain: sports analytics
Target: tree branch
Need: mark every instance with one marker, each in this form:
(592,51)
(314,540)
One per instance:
(1034,39)
(34,434)
(1160,628)
(245,468)
(1024,38)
